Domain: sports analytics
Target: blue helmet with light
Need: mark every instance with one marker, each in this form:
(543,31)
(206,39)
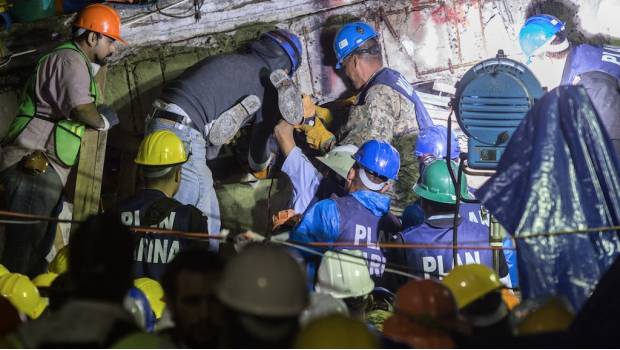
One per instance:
(433,141)
(350,37)
(537,32)
(290,43)
(379,157)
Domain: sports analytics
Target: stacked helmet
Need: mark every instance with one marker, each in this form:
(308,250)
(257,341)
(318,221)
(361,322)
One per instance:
(60,263)
(537,32)
(380,158)
(23,294)
(349,38)
(137,303)
(344,275)
(101,19)
(45,280)
(3,270)
(436,184)
(339,159)
(153,292)
(161,148)
(425,314)
(433,141)
(471,282)
(264,280)
(290,43)
(336,331)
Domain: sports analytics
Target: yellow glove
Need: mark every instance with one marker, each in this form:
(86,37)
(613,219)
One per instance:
(312,110)
(317,136)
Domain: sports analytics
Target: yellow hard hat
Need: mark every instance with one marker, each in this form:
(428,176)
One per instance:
(161,148)
(23,294)
(44,280)
(552,315)
(3,270)
(470,282)
(154,293)
(60,263)
(336,331)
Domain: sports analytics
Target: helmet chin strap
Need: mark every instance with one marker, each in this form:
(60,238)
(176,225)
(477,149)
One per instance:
(557,48)
(369,183)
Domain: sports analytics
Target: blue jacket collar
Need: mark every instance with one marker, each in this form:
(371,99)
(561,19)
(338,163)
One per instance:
(378,204)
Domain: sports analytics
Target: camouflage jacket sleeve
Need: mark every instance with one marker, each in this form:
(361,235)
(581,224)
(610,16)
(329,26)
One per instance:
(375,119)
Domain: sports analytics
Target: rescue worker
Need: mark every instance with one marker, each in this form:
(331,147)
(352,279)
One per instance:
(556,61)
(357,217)
(264,291)
(430,145)
(344,275)
(210,101)
(161,156)
(43,141)
(426,316)
(386,106)
(189,285)
(478,293)
(438,199)
(310,185)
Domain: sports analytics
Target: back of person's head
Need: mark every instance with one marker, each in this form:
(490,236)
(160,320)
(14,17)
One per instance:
(194,260)
(100,259)
(437,189)
(264,288)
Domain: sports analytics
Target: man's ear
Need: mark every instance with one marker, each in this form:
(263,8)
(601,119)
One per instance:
(351,174)
(177,175)
(92,39)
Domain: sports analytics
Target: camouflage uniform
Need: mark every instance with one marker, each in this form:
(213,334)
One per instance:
(389,116)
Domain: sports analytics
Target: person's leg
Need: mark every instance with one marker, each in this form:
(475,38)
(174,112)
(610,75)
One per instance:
(31,194)
(196,186)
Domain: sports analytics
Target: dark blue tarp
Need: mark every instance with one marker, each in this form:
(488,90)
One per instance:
(559,173)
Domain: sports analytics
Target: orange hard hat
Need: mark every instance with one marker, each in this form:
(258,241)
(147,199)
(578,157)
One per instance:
(425,315)
(101,19)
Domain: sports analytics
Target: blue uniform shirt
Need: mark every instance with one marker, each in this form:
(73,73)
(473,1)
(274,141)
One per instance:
(152,251)
(354,218)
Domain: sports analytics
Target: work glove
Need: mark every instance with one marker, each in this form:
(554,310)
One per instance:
(110,118)
(317,136)
(311,110)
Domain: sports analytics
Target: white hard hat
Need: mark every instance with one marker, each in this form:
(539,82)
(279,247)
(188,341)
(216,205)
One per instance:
(264,280)
(344,275)
(340,159)
(322,305)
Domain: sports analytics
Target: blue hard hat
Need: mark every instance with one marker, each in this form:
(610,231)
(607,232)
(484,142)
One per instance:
(379,157)
(350,37)
(433,141)
(537,32)
(290,43)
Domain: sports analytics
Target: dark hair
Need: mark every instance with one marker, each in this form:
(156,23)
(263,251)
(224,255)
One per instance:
(194,260)
(101,257)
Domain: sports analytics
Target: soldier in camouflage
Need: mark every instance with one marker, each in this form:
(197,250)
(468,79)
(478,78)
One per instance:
(385,108)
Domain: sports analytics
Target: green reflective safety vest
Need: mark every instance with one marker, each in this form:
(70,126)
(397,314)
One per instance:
(67,133)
